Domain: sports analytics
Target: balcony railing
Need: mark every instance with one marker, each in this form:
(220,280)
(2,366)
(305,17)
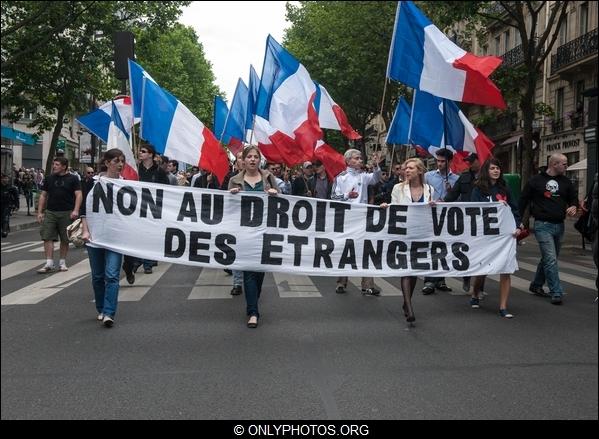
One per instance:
(502,126)
(575,50)
(573,121)
(513,57)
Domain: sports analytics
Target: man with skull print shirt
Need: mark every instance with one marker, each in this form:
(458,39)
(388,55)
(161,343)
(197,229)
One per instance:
(551,196)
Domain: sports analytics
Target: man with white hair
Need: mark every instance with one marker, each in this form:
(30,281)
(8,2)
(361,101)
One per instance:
(551,197)
(352,186)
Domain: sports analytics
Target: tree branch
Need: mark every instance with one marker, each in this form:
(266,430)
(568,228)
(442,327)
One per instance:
(24,22)
(12,59)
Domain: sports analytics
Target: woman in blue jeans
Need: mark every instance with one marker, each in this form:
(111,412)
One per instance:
(490,186)
(253,179)
(105,264)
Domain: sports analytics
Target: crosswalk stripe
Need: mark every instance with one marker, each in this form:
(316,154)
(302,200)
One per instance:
(15,268)
(564,264)
(386,288)
(212,284)
(21,246)
(576,280)
(37,249)
(292,285)
(48,286)
(143,283)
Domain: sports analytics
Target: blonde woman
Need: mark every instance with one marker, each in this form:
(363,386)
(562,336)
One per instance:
(412,190)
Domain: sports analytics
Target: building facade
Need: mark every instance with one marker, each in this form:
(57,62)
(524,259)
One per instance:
(567,85)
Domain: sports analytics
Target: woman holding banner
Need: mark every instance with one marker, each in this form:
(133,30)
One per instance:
(105,264)
(411,190)
(490,186)
(252,178)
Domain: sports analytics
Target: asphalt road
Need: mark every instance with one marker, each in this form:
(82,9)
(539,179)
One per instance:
(317,356)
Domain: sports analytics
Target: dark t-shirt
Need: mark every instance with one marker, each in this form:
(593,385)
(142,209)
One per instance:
(549,197)
(61,191)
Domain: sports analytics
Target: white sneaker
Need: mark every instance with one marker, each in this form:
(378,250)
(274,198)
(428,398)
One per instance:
(46,269)
(63,267)
(482,295)
(100,317)
(108,321)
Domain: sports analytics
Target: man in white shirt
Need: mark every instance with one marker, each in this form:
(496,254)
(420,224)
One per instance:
(352,186)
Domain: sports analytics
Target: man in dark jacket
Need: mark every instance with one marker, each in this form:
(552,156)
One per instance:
(462,188)
(551,197)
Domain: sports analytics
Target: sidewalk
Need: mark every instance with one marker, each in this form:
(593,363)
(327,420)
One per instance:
(572,244)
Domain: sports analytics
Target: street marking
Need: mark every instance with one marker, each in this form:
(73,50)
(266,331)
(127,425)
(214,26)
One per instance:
(143,283)
(48,286)
(37,249)
(455,283)
(564,264)
(292,285)
(16,268)
(21,246)
(576,280)
(517,283)
(212,283)
(386,288)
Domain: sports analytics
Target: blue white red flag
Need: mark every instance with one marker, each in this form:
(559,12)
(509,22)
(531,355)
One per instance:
(422,57)
(235,122)
(400,125)
(174,131)
(136,77)
(253,87)
(286,124)
(331,115)
(119,138)
(427,128)
(98,121)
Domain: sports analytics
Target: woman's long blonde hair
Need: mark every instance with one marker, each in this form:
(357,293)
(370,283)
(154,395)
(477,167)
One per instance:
(419,166)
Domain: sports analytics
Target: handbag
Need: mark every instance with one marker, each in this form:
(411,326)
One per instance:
(74,232)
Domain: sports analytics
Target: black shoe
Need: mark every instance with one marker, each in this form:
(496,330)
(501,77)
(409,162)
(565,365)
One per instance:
(4,234)
(130,278)
(443,287)
(371,292)
(340,289)
(539,291)
(135,267)
(236,291)
(229,272)
(428,289)
(148,270)
(556,299)
(408,312)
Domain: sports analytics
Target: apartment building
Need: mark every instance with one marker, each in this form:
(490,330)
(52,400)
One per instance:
(567,84)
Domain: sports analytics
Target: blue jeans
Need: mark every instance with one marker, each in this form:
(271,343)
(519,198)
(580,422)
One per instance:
(252,287)
(106,272)
(549,237)
(237,278)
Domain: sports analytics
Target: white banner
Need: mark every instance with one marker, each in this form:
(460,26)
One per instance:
(256,232)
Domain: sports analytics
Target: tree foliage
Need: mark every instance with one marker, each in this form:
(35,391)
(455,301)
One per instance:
(176,60)
(345,46)
(55,55)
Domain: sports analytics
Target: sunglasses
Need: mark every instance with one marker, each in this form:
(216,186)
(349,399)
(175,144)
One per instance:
(144,151)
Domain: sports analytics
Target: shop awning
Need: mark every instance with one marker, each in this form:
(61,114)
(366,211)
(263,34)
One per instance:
(19,136)
(510,140)
(580,166)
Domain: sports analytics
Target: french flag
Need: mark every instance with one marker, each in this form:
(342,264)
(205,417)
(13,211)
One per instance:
(174,131)
(236,118)
(119,138)
(136,78)
(98,120)
(331,115)
(427,127)
(286,123)
(422,57)
(333,161)
(253,88)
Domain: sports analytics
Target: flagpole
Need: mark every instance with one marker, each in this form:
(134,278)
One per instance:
(445,140)
(411,115)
